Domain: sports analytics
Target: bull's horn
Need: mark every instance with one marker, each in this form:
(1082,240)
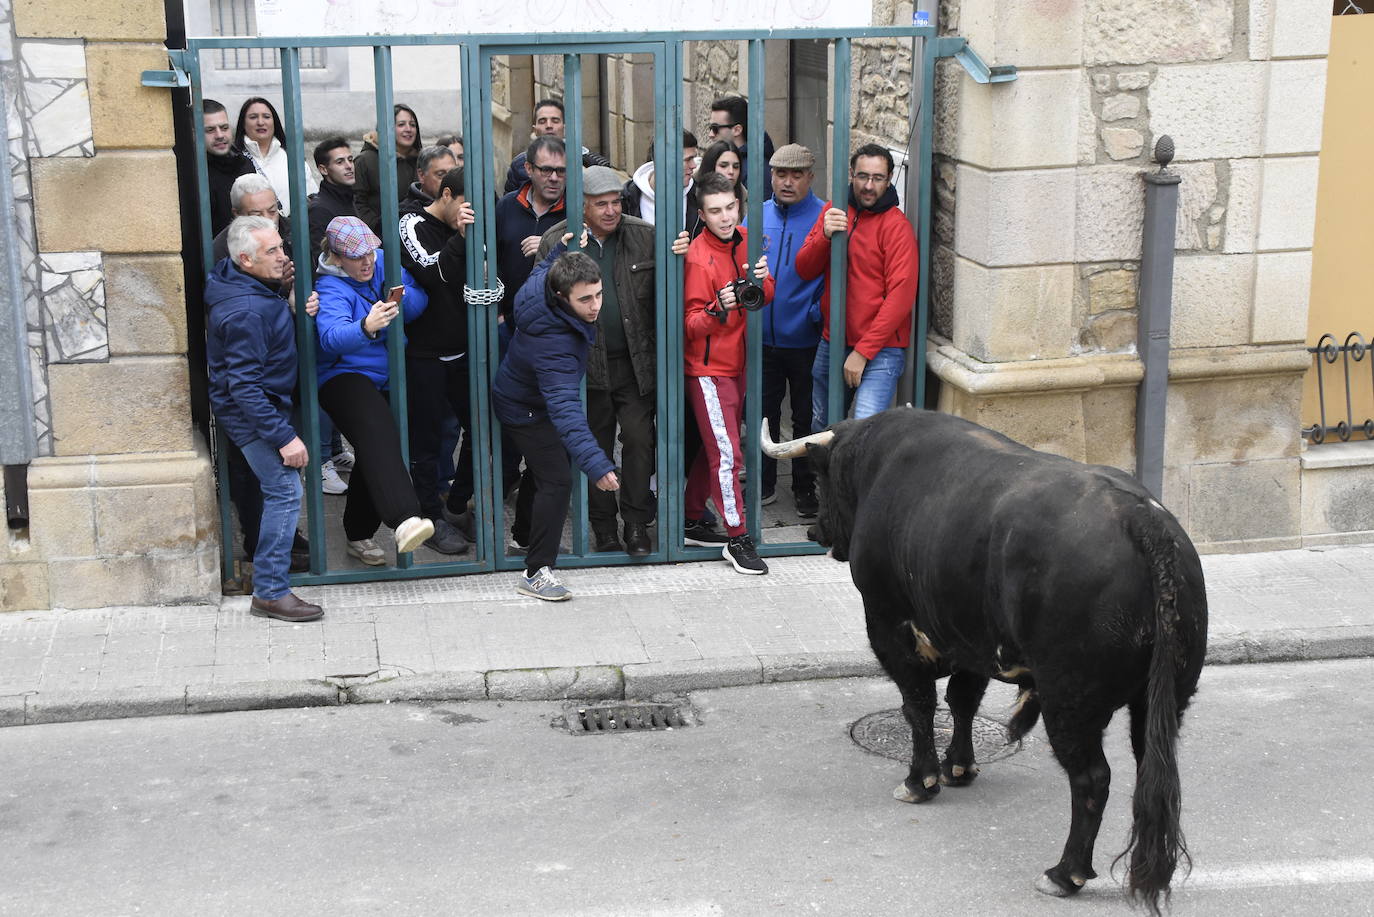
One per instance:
(793,448)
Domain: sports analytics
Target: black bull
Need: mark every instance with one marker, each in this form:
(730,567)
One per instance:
(979,558)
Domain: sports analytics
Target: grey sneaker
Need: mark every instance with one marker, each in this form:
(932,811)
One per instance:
(447,539)
(330,482)
(543,585)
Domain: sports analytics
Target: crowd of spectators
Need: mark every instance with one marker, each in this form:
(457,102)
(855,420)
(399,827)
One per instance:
(566,317)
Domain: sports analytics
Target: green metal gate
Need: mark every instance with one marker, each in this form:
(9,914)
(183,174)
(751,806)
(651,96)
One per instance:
(474,54)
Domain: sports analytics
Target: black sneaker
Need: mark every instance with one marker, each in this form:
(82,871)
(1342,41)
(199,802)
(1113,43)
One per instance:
(807,505)
(701,534)
(743,556)
(769,498)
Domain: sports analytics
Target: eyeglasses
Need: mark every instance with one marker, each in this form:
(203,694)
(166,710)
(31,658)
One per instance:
(717,128)
(864,178)
(550,171)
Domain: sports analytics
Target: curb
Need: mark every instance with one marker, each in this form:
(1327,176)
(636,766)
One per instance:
(594,682)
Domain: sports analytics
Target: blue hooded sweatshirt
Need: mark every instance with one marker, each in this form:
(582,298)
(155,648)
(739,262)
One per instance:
(542,373)
(250,348)
(344,303)
(793,318)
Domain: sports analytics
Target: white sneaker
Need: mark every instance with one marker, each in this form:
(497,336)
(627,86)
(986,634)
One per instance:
(367,551)
(412,533)
(343,461)
(330,481)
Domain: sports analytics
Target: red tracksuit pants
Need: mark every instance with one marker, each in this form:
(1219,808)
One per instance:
(718,403)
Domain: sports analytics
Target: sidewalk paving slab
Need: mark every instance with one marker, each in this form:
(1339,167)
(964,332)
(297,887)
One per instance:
(631,632)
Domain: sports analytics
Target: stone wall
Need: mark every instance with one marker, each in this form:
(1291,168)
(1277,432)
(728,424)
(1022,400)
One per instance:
(1039,204)
(121,497)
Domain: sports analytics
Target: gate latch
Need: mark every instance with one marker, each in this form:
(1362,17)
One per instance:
(176,78)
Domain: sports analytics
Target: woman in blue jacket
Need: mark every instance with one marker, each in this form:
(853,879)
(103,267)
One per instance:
(354,319)
(537,397)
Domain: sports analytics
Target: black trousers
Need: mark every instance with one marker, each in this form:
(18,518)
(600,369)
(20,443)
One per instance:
(622,403)
(379,490)
(433,387)
(542,506)
(788,369)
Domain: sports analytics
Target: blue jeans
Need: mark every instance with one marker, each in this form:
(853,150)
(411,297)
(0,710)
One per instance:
(875,391)
(281,507)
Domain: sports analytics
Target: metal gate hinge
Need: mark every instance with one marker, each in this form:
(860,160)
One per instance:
(176,78)
(960,50)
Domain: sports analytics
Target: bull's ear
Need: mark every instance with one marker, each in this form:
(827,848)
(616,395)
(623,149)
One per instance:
(819,456)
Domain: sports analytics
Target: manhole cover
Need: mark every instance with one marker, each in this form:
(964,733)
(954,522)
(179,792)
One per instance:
(887,733)
(601,719)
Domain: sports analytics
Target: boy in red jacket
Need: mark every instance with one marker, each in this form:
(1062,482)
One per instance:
(714,362)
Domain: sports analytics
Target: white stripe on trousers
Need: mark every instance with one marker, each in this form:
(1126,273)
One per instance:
(725,447)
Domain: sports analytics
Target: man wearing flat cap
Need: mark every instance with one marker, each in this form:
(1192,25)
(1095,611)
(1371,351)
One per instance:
(621,366)
(792,321)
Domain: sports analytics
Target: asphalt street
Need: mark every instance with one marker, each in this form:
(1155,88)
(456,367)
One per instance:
(766,806)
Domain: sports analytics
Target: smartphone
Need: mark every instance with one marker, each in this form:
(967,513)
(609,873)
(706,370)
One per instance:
(395,294)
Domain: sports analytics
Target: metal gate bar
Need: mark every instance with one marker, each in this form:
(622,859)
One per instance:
(475,55)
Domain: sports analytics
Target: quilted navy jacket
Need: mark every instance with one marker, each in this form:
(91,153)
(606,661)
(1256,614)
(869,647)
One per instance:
(542,374)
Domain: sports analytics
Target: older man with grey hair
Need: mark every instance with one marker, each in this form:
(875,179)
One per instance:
(252,195)
(433,163)
(622,366)
(251,352)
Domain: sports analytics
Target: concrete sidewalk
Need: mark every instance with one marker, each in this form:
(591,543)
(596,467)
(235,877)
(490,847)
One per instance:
(630,632)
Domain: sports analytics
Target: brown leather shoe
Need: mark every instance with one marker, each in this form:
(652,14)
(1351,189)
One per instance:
(289,607)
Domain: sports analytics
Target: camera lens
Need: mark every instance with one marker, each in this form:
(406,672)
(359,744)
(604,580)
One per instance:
(750,296)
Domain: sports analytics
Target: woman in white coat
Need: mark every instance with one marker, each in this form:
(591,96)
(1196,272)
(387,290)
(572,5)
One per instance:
(260,135)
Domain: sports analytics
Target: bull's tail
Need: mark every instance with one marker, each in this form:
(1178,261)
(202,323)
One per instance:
(1156,842)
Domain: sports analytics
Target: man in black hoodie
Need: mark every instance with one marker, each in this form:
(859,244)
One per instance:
(224,164)
(432,250)
(334,159)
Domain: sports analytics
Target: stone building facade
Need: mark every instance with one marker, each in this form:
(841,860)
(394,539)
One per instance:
(1038,203)
(122,494)
(1037,239)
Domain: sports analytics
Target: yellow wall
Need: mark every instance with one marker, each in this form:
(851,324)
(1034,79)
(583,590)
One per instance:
(1342,267)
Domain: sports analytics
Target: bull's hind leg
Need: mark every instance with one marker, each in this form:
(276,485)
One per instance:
(963,694)
(915,679)
(1076,737)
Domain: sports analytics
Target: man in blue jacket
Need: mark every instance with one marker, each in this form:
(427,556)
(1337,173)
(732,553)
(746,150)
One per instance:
(792,322)
(537,399)
(251,352)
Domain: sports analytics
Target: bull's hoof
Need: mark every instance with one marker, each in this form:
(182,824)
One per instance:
(957,774)
(1048,884)
(928,791)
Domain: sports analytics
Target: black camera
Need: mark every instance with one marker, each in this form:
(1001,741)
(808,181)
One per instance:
(748,294)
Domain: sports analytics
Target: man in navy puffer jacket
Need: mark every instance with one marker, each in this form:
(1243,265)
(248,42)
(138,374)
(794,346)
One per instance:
(536,396)
(251,355)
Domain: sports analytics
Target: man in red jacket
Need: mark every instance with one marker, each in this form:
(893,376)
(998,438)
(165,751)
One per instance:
(714,361)
(881,288)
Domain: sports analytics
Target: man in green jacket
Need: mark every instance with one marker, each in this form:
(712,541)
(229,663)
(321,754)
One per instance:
(621,367)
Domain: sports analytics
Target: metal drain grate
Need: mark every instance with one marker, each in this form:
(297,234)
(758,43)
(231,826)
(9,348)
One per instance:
(887,733)
(600,719)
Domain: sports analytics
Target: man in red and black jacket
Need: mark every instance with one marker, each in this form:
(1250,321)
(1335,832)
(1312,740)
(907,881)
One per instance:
(882,269)
(713,357)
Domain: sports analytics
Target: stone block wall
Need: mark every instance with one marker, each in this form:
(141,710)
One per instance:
(1039,206)
(121,495)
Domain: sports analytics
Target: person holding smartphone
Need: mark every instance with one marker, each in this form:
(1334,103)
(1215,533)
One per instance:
(356,314)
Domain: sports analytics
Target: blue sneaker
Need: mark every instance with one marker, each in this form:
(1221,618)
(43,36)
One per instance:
(543,585)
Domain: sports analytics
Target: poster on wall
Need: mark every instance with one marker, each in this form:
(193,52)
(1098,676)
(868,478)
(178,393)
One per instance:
(285,18)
